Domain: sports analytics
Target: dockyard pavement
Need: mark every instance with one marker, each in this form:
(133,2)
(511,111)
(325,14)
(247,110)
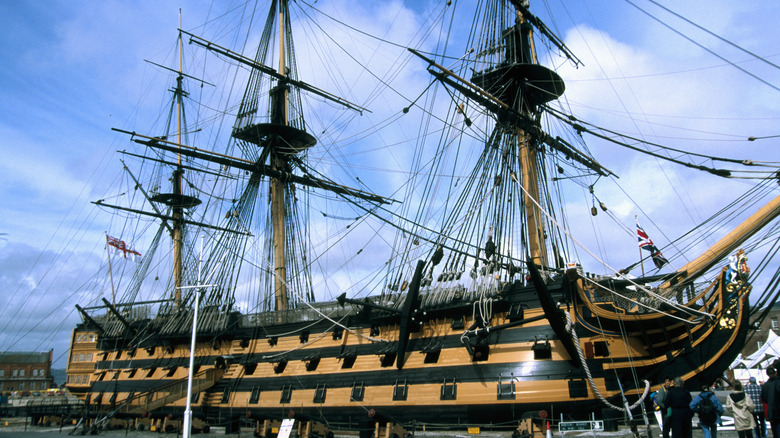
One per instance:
(17,429)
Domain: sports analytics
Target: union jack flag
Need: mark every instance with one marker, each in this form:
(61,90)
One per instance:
(646,243)
(120,245)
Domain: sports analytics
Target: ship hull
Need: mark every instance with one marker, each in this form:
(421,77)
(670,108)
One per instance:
(520,368)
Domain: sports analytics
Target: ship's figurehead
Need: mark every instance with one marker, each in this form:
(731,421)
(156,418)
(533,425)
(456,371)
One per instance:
(736,285)
(738,270)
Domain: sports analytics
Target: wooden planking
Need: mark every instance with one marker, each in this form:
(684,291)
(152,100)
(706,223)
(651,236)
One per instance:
(469,393)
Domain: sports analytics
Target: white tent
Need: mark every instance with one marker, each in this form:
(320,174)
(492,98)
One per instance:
(754,365)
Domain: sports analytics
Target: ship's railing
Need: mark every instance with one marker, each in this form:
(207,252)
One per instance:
(112,326)
(304,314)
(429,297)
(39,406)
(627,296)
(148,401)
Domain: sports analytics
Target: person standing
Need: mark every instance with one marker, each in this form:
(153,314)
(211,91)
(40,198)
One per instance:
(678,399)
(709,409)
(769,396)
(742,408)
(753,390)
(660,400)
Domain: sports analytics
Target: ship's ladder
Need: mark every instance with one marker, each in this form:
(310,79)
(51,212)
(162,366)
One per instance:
(153,399)
(220,394)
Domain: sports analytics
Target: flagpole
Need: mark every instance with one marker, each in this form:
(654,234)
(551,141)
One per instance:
(641,260)
(110,274)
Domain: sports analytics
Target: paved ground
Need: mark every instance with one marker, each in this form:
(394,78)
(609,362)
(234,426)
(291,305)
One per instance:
(15,428)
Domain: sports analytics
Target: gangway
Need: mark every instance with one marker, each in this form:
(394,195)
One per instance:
(148,401)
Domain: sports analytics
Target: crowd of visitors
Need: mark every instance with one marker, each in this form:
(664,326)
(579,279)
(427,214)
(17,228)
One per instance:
(751,407)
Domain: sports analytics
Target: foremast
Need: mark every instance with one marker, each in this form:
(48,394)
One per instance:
(504,197)
(514,88)
(526,54)
(279,109)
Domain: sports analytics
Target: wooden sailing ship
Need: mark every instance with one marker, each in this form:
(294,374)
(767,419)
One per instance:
(477,320)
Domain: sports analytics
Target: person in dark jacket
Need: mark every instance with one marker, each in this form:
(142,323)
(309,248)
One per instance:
(679,400)
(708,425)
(769,395)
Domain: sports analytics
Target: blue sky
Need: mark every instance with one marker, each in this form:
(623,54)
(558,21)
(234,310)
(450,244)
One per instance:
(72,71)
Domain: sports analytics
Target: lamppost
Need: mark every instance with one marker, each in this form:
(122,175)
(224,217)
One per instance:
(187,429)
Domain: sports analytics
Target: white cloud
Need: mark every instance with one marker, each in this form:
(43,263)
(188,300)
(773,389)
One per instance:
(65,91)
(41,289)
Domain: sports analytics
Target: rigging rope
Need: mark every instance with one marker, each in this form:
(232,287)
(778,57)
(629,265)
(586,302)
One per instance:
(326,317)
(570,328)
(680,307)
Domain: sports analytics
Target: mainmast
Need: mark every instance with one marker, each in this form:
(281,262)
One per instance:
(271,133)
(279,141)
(527,155)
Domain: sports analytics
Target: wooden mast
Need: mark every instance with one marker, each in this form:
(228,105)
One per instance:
(278,163)
(727,245)
(178,213)
(528,159)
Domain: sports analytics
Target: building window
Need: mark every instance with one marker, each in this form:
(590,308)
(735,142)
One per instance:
(21,386)
(89,357)
(35,373)
(21,373)
(2,373)
(15,373)
(775,325)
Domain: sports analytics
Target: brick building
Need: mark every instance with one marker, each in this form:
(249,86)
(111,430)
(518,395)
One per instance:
(772,322)
(25,371)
